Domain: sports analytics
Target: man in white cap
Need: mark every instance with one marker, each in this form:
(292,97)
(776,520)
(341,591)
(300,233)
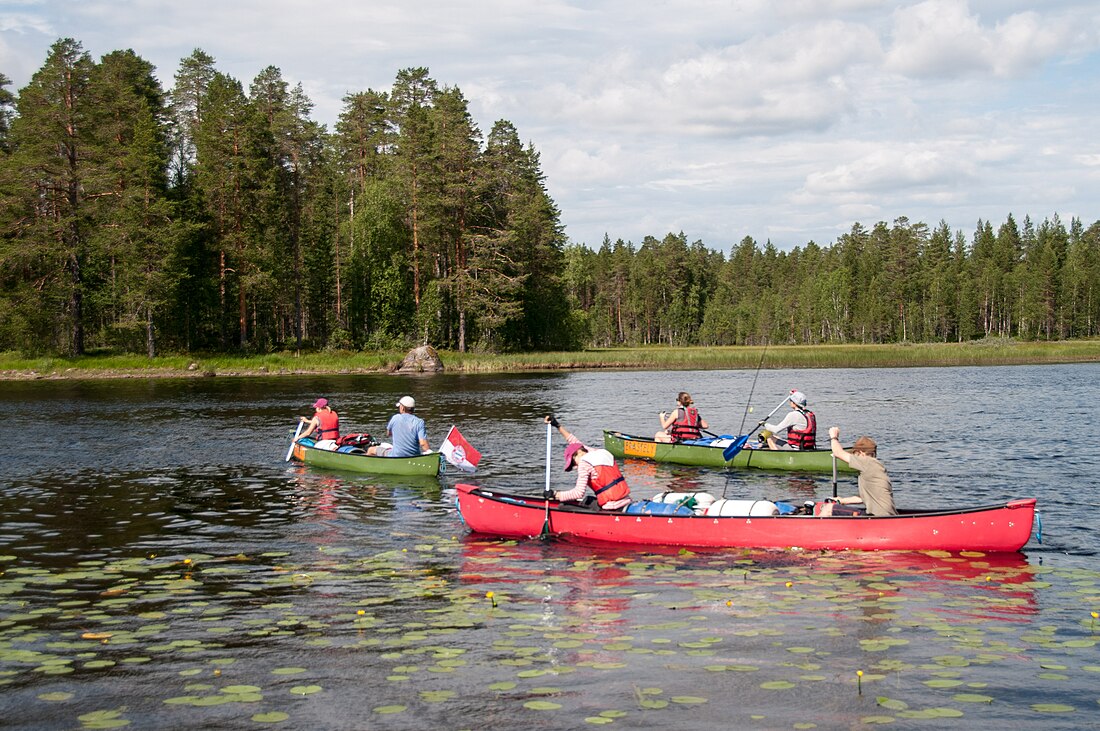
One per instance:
(800,423)
(407,432)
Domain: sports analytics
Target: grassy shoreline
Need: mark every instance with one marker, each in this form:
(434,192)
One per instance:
(978,353)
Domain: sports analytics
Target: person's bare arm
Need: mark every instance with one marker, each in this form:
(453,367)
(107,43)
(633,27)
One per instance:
(313,424)
(564,432)
(838,451)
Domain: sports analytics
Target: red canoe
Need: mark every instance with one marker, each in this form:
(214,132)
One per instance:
(1001,527)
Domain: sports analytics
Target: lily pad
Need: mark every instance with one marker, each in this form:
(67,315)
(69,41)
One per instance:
(55,696)
(272,717)
(892,703)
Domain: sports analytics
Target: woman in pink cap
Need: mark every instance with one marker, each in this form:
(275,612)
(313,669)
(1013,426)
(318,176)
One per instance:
(596,468)
(325,423)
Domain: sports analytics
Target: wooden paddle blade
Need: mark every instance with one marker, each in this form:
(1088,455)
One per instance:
(738,444)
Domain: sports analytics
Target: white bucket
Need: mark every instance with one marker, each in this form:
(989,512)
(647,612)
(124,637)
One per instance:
(742,508)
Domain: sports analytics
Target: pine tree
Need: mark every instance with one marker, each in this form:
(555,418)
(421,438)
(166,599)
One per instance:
(410,102)
(7,110)
(52,139)
(135,229)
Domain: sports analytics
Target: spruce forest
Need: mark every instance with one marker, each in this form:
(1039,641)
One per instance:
(211,217)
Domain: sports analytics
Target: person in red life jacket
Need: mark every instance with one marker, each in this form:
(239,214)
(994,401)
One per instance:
(325,424)
(596,468)
(683,423)
(800,423)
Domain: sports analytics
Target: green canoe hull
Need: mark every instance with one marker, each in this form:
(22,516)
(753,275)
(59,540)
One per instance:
(425,464)
(816,460)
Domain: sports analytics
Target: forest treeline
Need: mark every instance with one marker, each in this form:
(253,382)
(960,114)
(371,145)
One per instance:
(218,218)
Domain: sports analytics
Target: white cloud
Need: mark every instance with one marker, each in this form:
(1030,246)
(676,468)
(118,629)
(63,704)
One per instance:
(786,120)
(945,38)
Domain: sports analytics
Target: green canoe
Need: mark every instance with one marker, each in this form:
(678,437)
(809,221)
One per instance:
(424,464)
(702,455)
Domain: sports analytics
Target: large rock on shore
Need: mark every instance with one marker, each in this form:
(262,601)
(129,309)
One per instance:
(420,360)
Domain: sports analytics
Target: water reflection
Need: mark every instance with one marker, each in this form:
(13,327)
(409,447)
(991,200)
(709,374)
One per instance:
(372,588)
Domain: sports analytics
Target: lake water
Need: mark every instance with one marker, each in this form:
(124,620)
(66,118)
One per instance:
(163,567)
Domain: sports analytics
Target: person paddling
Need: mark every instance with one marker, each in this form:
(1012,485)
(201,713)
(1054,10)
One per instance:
(324,426)
(800,423)
(596,468)
(683,423)
(876,490)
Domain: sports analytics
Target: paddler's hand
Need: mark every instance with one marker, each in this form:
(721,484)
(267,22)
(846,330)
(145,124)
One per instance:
(552,421)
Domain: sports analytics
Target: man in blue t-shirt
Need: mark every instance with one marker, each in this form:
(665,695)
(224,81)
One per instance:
(407,432)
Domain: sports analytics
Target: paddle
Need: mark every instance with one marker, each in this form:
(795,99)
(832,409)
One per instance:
(834,472)
(290,451)
(738,444)
(546,493)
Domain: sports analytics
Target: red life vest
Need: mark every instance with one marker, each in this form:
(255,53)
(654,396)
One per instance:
(608,484)
(687,425)
(328,425)
(804,438)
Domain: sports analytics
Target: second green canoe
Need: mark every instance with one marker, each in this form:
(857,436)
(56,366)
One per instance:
(703,455)
(424,464)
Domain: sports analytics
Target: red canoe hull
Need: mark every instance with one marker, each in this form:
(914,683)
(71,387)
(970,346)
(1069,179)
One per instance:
(991,528)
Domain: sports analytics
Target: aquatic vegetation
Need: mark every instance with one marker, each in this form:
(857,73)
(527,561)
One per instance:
(941,634)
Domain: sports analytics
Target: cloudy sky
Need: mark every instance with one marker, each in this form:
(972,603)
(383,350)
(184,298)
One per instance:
(785,121)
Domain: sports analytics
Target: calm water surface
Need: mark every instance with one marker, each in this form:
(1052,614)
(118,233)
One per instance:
(163,567)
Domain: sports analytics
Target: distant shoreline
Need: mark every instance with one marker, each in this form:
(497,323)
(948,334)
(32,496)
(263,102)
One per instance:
(989,352)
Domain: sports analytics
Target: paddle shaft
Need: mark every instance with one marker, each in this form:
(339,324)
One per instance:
(834,472)
(770,415)
(731,451)
(546,489)
(290,451)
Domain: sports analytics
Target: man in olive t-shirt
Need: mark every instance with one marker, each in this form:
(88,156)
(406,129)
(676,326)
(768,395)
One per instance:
(875,489)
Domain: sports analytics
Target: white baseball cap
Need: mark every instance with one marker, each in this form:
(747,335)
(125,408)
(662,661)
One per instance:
(407,401)
(798,397)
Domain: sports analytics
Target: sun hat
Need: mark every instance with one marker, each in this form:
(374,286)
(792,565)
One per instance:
(570,450)
(798,397)
(407,401)
(320,403)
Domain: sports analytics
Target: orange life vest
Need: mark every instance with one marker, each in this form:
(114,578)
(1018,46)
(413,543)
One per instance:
(805,438)
(608,483)
(687,425)
(328,425)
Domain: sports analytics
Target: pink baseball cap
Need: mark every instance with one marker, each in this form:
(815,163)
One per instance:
(570,451)
(320,403)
